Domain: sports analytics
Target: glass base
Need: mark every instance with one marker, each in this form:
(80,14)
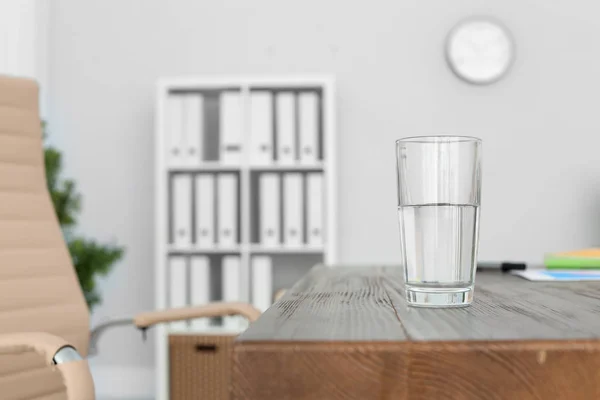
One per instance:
(439,297)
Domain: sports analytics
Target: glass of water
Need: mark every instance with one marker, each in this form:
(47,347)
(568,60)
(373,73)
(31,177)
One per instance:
(439,190)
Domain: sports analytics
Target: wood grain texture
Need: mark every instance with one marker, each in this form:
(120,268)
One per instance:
(319,371)
(505,307)
(331,304)
(200,366)
(347,333)
(504,370)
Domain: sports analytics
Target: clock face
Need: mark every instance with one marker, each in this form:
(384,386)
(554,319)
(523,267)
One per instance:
(480,50)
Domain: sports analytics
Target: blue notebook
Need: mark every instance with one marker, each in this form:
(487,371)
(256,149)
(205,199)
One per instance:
(559,275)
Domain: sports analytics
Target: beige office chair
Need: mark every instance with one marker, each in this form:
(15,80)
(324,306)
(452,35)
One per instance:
(44,319)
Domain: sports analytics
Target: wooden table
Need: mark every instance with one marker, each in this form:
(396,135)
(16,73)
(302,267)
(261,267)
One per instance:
(347,333)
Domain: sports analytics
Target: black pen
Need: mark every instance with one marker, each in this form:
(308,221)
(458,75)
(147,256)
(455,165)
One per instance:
(502,266)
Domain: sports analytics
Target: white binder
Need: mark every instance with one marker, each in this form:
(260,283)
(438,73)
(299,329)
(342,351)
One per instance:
(230,123)
(182,210)
(228,210)
(293,211)
(193,129)
(309,127)
(261,128)
(205,211)
(174,125)
(177,287)
(269,210)
(231,287)
(314,209)
(199,287)
(262,282)
(286,128)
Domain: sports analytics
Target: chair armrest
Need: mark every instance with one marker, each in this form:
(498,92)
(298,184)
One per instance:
(147,319)
(28,368)
(98,330)
(44,344)
(279,294)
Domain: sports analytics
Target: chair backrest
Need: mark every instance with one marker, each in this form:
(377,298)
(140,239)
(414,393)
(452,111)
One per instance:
(39,290)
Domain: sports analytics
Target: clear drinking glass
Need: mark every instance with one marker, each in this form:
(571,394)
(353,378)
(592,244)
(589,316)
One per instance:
(439,190)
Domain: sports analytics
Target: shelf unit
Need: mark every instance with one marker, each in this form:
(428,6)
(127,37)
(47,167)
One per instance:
(290,262)
(205,167)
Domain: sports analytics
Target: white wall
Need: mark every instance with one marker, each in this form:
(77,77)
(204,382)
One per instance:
(23,40)
(17,37)
(540,126)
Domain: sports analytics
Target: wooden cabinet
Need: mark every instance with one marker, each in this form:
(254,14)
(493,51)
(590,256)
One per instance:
(200,366)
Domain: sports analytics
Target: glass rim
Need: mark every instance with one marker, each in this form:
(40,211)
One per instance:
(438,139)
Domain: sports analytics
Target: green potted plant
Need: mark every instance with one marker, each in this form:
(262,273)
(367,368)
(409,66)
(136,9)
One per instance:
(90,258)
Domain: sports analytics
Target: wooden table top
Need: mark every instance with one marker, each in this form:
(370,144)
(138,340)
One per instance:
(347,333)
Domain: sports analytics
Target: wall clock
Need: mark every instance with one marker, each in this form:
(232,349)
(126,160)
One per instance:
(480,50)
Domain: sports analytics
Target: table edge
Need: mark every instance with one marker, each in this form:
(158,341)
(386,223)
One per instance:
(447,345)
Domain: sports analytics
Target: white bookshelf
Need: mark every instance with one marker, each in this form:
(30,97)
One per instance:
(289,262)
(290,250)
(205,167)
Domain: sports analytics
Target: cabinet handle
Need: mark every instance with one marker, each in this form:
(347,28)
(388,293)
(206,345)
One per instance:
(203,348)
